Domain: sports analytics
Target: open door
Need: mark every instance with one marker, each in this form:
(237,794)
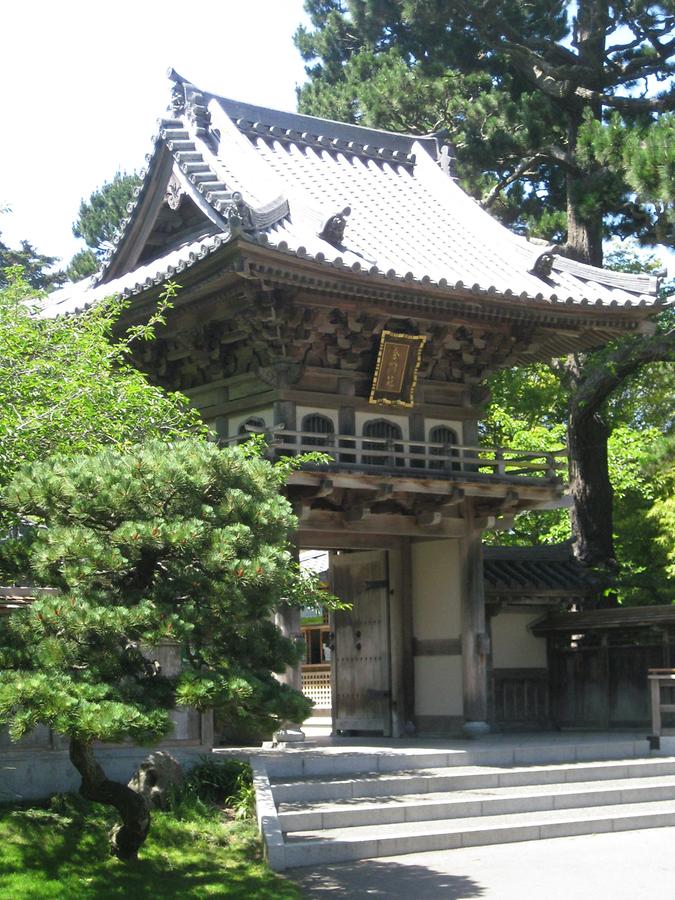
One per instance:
(361,666)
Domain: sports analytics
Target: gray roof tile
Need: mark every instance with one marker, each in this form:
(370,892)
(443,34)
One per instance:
(409,220)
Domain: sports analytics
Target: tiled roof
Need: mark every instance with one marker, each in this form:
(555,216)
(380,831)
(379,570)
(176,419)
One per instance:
(602,619)
(379,203)
(77,297)
(526,570)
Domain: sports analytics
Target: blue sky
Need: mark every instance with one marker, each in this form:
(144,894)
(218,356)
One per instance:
(85,82)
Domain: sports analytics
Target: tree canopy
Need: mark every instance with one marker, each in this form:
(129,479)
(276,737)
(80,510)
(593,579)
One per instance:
(34,266)
(180,542)
(66,384)
(100,217)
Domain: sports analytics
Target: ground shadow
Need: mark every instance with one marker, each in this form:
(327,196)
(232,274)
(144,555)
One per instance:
(383,878)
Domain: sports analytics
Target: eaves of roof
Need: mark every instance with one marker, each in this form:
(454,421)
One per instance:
(604,619)
(281,264)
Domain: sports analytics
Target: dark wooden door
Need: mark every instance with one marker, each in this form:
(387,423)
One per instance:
(361,666)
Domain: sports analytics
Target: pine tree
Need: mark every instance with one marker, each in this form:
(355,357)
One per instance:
(82,265)
(34,265)
(181,542)
(100,217)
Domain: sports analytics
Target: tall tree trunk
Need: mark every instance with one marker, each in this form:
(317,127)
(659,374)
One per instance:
(590,485)
(584,219)
(584,228)
(591,490)
(587,432)
(590,383)
(127,838)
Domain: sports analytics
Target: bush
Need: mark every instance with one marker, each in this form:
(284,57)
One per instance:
(228,782)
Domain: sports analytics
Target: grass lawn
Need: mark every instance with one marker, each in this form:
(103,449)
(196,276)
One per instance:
(62,852)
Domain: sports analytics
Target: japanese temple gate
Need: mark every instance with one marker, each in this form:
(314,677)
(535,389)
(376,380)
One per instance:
(340,293)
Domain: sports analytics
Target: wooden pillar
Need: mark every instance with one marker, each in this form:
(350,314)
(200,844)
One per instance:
(401,640)
(475,643)
(284,414)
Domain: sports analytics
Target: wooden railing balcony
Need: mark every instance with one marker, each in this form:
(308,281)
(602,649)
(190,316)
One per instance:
(436,460)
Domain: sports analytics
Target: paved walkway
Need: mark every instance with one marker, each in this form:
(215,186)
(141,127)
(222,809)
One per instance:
(628,865)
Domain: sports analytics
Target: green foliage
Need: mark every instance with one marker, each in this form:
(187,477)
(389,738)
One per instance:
(82,265)
(661,515)
(528,409)
(223,781)
(66,385)
(196,851)
(179,542)
(33,264)
(100,217)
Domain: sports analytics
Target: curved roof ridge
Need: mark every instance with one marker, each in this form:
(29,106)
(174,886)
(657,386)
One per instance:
(319,127)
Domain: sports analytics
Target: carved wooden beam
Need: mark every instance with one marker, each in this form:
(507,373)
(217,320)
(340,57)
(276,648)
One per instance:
(456,496)
(357,512)
(430,518)
(326,488)
(508,503)
(384,492)
(334,526)
(301,508)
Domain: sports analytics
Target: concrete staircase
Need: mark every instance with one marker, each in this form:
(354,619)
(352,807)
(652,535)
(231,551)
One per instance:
(317,816)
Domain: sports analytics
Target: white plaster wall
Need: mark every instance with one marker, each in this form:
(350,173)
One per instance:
(513,646)
(438,686)
(436,589)
(266,413)
(437,616)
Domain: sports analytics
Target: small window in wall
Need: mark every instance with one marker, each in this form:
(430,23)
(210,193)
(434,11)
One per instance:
(317,643)
(318,430)
(441,434)
(388,451)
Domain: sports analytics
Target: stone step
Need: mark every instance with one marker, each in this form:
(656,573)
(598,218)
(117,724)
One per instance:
(483,802)
(458,778)
(304,760)
(310,848)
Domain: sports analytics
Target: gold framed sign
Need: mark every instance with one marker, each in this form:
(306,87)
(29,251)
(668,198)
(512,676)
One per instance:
(398,362)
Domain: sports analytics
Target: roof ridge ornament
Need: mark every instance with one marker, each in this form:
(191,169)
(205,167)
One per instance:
(188,100)
(333,231)
(543,262)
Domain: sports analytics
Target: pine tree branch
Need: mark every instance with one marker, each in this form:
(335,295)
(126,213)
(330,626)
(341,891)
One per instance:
(526,167)
(663,103)
(594,388)
(523,169)
(566,81)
